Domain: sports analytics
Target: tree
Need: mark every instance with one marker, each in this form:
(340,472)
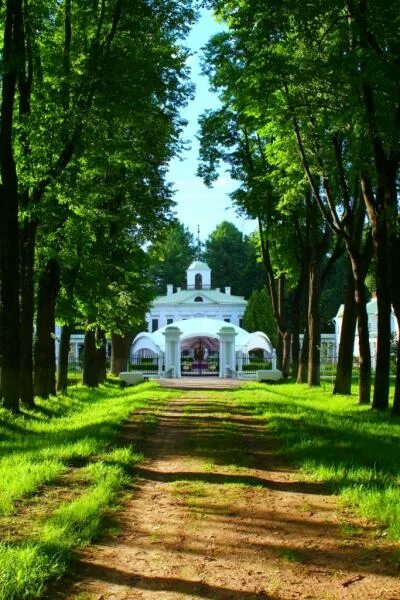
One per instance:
(233,260)
(171,257)
(61,61)
(287,64)
(258,315)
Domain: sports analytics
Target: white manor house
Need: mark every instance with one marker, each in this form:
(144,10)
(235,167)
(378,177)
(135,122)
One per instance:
(198,331)
(198,300)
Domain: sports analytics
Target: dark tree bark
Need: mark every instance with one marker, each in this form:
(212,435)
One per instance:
(347,336)
(63,356)
(45,355)
(101,347)
(12,65)
(364,388)
(314,324)
(120,347)
(302,375)
(395,267)
(383,294)
(396,399)
(297,308)
(296,320)
(90,370)
(283,354)
(28,238)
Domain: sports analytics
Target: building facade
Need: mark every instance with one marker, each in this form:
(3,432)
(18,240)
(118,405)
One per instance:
(198,300)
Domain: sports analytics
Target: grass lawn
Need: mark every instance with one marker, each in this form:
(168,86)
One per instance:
(60,470)
(333,439)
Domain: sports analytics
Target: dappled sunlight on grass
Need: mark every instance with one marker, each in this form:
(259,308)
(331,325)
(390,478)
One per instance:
(73,435)
(335,440)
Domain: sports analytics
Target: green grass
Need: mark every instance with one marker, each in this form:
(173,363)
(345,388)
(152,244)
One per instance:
(353,450)
(72,436)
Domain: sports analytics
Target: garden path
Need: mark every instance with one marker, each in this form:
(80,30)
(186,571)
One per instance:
(216,513)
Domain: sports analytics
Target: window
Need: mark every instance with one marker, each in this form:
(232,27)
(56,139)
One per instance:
(198,281)
(169,321)
(240,322)
(227,320)
(198,299)
(154,325)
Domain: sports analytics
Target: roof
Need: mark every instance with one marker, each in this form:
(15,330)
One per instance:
(188,296)
(198,265)
(202,327)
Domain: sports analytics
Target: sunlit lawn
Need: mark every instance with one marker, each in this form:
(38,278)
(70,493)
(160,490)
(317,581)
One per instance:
(333,439)
(62,468)
(70,441)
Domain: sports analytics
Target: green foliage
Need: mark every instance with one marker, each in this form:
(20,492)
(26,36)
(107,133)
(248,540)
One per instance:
(258,315)
(233,260)
(171,257)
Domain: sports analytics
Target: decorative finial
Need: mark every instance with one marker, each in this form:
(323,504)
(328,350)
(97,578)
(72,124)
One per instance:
(198,243)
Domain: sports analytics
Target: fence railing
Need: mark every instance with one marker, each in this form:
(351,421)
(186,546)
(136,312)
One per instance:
(147,365)
(152,365)
(251,364)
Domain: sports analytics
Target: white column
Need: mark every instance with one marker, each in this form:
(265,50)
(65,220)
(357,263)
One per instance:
(172,351)
(240,360)
(273,359)
(227,363)
(160,363)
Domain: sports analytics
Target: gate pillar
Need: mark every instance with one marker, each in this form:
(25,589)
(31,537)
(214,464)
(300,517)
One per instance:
(227,363)
(172,351)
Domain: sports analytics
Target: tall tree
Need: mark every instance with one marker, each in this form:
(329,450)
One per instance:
(233,260)
(258,315)
(171,257)
(61,60)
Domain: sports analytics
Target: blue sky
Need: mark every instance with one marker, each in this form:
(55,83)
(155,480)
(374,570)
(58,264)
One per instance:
(197,204)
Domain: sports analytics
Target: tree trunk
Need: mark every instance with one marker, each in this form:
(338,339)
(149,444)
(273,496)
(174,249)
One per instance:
(347,335)
(28,240)
(279,352)
(9,202)
(286,354)
(296,319)
(314,325)
(395,267)
(45,354)
(120,347)
(297,308)
(101,348)
(396,399)
(382,368)
(63,356)
(90,371)
(302,375)
(364,388)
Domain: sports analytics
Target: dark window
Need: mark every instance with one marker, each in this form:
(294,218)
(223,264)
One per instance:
(198,299)
(169,321)
(154,325)
(198,281)
(227,320)
(240,322)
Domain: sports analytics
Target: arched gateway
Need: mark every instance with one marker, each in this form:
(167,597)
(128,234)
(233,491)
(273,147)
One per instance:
(202,346)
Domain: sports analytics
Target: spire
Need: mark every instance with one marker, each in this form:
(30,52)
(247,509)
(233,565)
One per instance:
(198,243)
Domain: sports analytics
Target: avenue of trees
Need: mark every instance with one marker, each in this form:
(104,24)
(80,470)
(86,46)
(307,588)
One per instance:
(89,119)
(309,127)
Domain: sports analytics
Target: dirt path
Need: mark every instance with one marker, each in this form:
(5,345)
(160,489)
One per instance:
(213,514)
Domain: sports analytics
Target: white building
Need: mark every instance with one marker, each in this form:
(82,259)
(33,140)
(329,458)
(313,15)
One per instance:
(372,310)
(198,331)
(198,300)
